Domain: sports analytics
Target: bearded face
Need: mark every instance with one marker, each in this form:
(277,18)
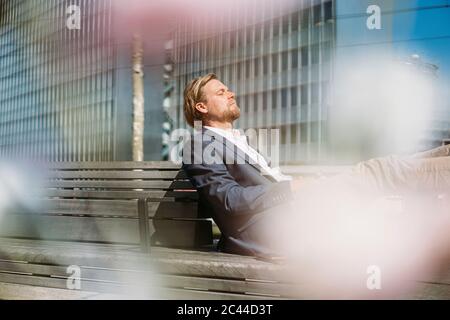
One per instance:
(220,102)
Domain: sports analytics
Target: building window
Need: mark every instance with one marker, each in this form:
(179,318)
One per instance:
(247,69)
(315,131)
(241,39)
(293,133)
(276,27)
(283,134)
(275,62)
(233,40)
(285,25)
(274,99)
(293,96)
(294,59)
(304,94)
(328,8)
(284,98)
(256,67)
(325,90)
(225,41)
(315,93)
(304,132)
(249,35)
(266,64)
(326,51)
(294,21)
(258,30)
(256,102)
(316,14)
(209,47)
(304,56)
(239,70)
(284,61)
(267,30)
(264,102)
(305,19)
(315,54)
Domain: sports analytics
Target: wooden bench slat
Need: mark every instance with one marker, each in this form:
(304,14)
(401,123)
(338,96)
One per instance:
(106,174)
(114,194)
(12,291)
(123,208)
(58,283)
(113,165)
(162,259)
(123,290)
(42,248)
(155,184)
(178,233)
(58,248)
(9,245)
(70,228)
(429,291)
(135,276)
(119,208)
(179,294)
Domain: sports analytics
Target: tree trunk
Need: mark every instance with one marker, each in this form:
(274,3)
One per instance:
(138,100)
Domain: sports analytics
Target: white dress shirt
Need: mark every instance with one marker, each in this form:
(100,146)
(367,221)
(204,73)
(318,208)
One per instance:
(240,141)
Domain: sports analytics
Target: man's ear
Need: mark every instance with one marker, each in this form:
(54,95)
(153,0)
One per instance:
(201,107)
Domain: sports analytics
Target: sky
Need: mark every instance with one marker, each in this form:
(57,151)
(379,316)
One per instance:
(408,27)
(430,27)
(374,91)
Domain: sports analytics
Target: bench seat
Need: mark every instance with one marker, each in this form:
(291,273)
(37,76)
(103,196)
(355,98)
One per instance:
(109,268)
(167,273)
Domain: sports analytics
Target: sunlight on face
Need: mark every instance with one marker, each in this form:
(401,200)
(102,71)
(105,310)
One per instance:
(220,102)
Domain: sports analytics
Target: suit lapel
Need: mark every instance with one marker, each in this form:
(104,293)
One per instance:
(230,146)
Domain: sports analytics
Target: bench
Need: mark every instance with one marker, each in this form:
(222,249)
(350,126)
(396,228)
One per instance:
(130,230)
(123,219)
(114,202)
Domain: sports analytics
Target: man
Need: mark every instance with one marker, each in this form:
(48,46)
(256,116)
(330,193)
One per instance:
(245,196)
(236,195)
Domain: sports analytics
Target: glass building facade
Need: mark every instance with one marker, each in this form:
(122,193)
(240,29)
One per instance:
(279,64)
(66,94)
(56,83)
(66,90)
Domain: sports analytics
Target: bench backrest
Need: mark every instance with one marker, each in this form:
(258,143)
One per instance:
(113,202)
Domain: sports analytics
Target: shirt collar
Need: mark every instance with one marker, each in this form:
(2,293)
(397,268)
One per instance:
(235,133)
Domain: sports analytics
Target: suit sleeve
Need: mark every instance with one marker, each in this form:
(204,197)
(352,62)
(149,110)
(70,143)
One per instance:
(215,183)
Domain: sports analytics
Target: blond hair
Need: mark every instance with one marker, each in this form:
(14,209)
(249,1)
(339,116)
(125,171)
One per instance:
(193,94)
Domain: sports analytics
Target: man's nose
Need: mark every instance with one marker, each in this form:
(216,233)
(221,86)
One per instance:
(230,94)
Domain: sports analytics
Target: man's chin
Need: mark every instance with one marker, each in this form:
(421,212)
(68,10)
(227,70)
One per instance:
(236,114)
(236,111)
(233,113)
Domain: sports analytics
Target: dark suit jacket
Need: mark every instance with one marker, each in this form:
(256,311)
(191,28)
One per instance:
(235,195)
